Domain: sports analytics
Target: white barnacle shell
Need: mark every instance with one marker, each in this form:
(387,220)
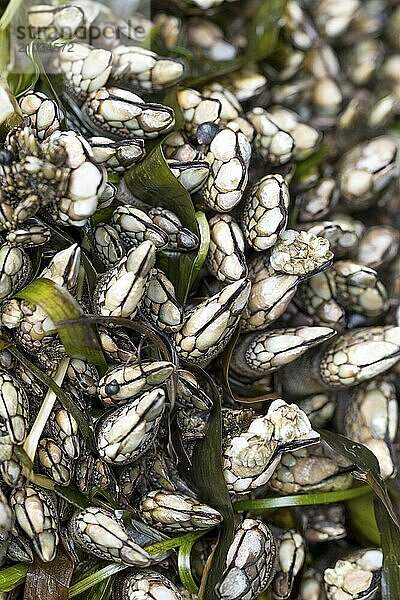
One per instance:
(289,421)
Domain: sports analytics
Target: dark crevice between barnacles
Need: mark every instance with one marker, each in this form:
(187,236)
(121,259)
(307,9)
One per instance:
(205,475)
(83,420)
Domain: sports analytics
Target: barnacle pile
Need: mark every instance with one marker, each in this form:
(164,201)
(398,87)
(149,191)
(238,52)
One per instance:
(199,302)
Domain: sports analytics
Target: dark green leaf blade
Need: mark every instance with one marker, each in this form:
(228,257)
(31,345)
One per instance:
(72,495)
(366,467)
(362,520)
(94,578)
(208,477)
(204,234)
(391,552)
(175,542)
(12,577)
(262,33)
(82,419)
(262,504)
(80,341)
(101,591)
(171,100)
(153,183)
(264,28)
(184,568)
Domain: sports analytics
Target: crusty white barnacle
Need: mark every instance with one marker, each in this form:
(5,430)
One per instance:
(290,423)
(124,114)
(357,575)
(85,69)
(208,326)
(197,109)
(176,145)
(117,345)
(179,237)
(83,375)
(29,235)
(333,18)
(325,523)
(370,416)
(249,565)
(265,212)
(229,157)
(319,408)
(19,548)
(107,195)
(376,405)
(35,178)
(269,297)
(378,246)
(127,432)
(170,511)
(146,584)
(86,179)
(190,392)
(54,22)
(207,39)
(343,233)
(36,328)
(359,289)
(15,269)
(360,355)
(107,244)
(55,461)
(100,532)
(310,469)
(134,227)
(6,523)
(225,257)
(271,142)
(11,313)
(191,175)
(249,461)
(14,407)
(42,112)
(63,268)
(366,170)
(246,83)
(138,67)
(250,452)
(317,296)
(124,382)
(160,303)
(259,353)
(319,200)
(10,466)
(306,138)
(117,156)
(291,556)
(94,472)
(36,513)
(64,430)
(291,543)
(230,106)
(120,291)
(300,253)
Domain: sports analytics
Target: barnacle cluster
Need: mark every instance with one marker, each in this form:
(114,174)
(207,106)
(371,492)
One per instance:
(199,273)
